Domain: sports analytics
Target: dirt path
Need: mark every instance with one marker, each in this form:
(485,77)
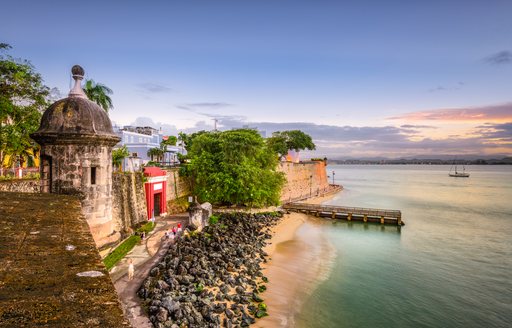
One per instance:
(144,256)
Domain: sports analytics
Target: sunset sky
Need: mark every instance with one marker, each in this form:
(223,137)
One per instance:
(373,78)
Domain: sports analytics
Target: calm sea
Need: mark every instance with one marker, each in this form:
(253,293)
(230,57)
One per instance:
(449,266)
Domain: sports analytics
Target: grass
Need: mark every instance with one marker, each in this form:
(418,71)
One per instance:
(120,251)
(147,228)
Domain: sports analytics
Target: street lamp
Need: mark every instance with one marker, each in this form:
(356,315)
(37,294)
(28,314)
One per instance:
(310,184)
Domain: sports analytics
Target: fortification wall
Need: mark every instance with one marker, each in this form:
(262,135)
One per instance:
(128,201)
(177,186)
(31,186)
(304,179)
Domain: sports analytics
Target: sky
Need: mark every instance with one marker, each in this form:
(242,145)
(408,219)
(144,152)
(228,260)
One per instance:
(363,78)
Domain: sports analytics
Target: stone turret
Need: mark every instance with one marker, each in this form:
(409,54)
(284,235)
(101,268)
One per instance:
(76,139)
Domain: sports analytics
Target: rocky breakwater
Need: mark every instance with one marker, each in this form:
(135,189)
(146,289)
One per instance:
(212,278)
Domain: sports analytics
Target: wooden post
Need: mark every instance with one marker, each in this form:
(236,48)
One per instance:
(365,219)
(382,220)
(349,217)
(333,215)
(399,220)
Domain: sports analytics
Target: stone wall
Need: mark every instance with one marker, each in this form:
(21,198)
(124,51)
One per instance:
(128,201)
(304,179)
(52,274)
(177,186)
(21,185)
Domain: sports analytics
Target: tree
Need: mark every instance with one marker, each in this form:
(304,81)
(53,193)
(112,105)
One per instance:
(282,142)
(233,167)
(118,155)
(99,93)
(23,97)
(169,141)
(156,154)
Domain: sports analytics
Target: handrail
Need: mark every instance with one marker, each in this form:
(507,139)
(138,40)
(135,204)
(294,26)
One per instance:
(334,208)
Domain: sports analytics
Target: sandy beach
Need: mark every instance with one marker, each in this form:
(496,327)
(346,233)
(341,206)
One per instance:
(299,259)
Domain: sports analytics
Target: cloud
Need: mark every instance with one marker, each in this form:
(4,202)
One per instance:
(500,58)
(498,133)
(501,112)
(367,141)
(195,107)
(440,88)
(150,87)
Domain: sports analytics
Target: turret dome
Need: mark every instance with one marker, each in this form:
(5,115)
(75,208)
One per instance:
(75,119)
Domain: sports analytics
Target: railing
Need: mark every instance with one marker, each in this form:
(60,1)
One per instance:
(344,209)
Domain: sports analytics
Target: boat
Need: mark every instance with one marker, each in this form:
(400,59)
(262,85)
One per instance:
(457,174)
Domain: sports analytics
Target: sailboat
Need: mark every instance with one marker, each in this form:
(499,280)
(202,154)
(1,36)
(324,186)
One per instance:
(458,174)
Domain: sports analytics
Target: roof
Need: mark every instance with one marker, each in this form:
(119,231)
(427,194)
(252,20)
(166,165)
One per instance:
(153,171)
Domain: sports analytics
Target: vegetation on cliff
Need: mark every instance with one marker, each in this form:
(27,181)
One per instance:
(232,167)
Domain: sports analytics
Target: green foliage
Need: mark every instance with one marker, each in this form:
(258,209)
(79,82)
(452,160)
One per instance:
(233,167)
(171,141)
(282,142)
(99,93)
(120,251)
(199,287)
(214,219)
(156,154)
(146,228)
(262,288)
(23,97)
(118,155)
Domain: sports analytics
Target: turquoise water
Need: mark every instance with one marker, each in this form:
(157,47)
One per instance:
(449,266)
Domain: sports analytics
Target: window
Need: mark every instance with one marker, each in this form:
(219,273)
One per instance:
(93,176)
(135,155)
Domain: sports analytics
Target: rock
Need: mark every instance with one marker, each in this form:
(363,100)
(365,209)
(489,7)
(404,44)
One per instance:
(162,285)
(229,313)
(162,314)
(170,304)
(154,272)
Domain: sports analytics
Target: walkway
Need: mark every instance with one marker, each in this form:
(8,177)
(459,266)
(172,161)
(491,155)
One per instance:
(145,256)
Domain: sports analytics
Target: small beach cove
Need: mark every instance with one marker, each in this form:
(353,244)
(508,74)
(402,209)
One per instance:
(299,260)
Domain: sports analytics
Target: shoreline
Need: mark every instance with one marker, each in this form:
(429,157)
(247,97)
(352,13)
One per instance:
(299,259)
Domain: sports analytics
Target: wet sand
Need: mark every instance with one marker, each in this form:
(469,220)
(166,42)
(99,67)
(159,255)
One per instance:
(300,259)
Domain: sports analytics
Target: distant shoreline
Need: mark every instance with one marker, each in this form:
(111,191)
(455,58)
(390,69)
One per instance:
(504,161)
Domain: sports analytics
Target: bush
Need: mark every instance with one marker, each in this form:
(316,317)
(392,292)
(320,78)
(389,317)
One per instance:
(120,251)
(214,219)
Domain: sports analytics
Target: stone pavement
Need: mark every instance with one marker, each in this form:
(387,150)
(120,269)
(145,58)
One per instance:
(144,255)
(51,274)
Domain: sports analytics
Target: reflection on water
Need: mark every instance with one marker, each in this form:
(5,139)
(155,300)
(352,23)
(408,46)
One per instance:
(449,266)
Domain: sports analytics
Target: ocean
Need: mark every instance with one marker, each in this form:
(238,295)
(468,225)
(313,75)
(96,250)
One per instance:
(449,266)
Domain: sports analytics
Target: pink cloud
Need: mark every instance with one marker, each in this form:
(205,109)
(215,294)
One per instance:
(496,113)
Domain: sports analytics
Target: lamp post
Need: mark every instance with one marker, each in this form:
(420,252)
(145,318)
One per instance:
(333,177)
(310,185)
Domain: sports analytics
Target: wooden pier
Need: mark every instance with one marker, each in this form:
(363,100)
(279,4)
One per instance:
(381,216)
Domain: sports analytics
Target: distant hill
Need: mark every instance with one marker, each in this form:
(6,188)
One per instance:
(482,160)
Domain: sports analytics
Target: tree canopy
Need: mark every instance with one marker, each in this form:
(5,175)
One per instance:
(99,93)
(282,142)
(233,167)
(23,97)
(118,155)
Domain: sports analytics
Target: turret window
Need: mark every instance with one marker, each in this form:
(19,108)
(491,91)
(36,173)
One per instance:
(93,175)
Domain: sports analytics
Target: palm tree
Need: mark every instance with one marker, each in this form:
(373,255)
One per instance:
(99,93)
